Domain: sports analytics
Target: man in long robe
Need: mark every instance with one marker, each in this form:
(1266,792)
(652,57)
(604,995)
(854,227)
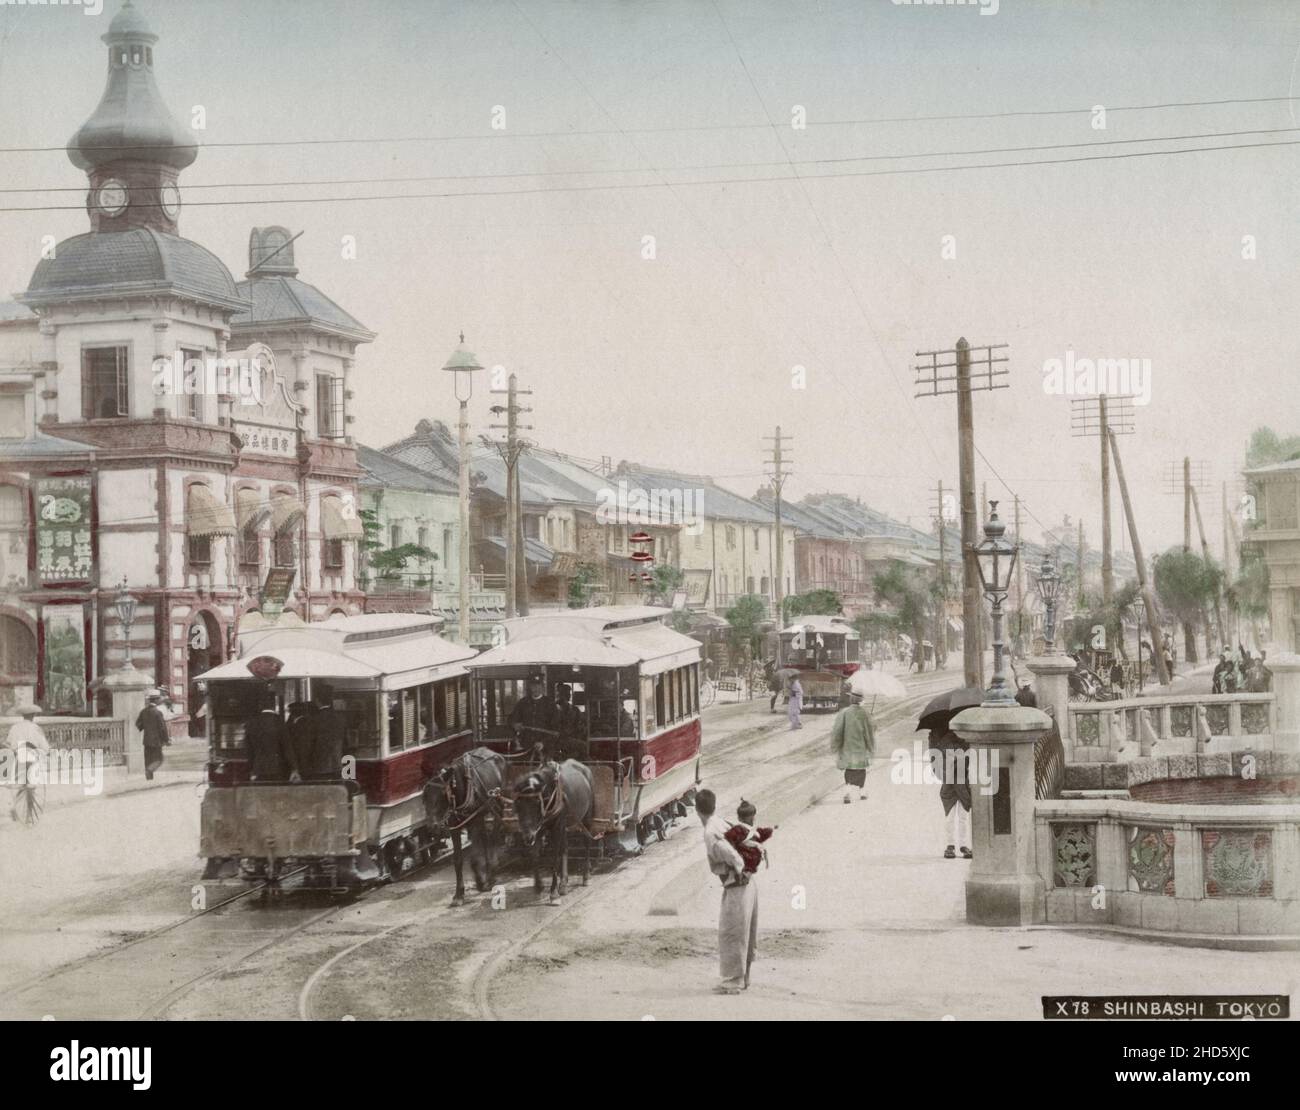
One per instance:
(853,740)
(738,918)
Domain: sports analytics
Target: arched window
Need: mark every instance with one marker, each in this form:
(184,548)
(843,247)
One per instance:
(17,649)
(13,507)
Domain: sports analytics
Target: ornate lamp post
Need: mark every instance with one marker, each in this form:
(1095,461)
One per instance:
(124,603)
(996,559)
(1049,588)
(463,364)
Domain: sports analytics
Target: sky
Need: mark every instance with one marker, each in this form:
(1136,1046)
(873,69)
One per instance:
(765,300)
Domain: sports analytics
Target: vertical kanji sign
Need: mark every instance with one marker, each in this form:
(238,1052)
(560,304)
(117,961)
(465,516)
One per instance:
(63,532)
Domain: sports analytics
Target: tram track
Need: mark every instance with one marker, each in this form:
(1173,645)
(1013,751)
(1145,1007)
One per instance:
(219,940)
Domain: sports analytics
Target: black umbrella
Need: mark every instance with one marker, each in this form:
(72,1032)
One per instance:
(945,707)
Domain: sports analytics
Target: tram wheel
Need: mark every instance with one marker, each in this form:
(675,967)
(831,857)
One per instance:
(396,857)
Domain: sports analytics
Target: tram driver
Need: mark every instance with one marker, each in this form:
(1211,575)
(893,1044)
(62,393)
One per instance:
(571,724)
(532,720)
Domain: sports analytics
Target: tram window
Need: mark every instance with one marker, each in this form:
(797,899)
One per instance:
(660,717)
(362,729)
(410,733)
(441,723)
(462,702)
(394,721)
(424,713)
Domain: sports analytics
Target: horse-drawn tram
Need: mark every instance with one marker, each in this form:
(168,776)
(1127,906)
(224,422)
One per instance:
(321,740)
(825,652)
(613,688)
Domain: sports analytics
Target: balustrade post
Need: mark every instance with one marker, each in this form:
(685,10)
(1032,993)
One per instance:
(1286,701)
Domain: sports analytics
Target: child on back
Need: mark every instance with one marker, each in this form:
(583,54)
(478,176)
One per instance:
(746,839)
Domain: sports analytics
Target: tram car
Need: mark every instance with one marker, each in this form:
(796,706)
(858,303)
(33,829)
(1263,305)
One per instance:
(826,651)
(636,686)
(402,696)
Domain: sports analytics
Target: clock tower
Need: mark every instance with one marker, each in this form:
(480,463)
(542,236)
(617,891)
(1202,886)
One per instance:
(131,148)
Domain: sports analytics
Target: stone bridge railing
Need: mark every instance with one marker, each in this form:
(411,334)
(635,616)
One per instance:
(64,733)
(1183,724)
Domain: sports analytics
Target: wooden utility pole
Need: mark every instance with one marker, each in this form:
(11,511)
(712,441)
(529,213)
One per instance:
(1205,553)
(962,383)
(778,476)
(1020,584)
(942,646)
(510,450)
(1107,568)
(1082,600)
(1187,503)
(1148,602)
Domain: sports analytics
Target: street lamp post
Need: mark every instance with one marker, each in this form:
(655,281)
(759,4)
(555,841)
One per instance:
(463,364)
(996,559)
(1049,587)
(124,603)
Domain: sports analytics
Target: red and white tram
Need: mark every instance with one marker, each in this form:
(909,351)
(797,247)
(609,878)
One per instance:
(404,695)
(636,685)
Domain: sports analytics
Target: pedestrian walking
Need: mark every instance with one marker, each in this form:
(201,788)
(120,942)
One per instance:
(950,755)
(853,740)
(795,704)
(26,740)
(153,728)
(738,916)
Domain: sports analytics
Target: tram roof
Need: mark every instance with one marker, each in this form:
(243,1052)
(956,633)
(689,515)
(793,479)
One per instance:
(821,623)
(602,636)
(377,646)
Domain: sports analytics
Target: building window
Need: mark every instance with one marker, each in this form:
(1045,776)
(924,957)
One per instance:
(532,528)
(731,538)
(755,539)
(334,554)
(422,537)
(329,406)
(699,539)
(394,536)
(191,403)
(286,549)
(104,392)
(13,512)
(250,549)
(13,415)
(200,551)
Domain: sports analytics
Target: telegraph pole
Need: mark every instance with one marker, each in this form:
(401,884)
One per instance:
(943,569)
(510,450)
(1091,416)
(1148,602)
(1205,554)
(778,475)
(1186,482)
(1020,585)
(963,384)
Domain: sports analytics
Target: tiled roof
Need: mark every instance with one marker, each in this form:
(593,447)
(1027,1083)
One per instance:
(281,299)
(141,260)
(386,472)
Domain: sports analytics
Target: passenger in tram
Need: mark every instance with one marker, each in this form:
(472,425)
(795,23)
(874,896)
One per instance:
(330,746)
(265,739)
(571,724)
(533,718)
(299,740)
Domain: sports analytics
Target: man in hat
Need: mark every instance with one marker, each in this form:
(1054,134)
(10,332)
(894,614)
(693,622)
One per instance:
(853,740)
(264,739)
(951,763)
(153,727)
(26,740)
(571,724)
(533,718)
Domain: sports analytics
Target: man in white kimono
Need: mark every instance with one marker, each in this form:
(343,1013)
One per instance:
(738,920)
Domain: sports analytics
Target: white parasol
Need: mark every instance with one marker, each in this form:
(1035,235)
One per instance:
(876,684)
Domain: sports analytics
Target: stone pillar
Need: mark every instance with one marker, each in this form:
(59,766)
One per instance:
(1286,693)
(1052,689)
(1004,886)
(128,688)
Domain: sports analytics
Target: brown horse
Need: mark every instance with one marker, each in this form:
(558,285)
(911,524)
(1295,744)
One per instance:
(549,801)
(465,795)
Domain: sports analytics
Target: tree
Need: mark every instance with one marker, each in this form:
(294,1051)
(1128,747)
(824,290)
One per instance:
(813,603)
(580,585)
(1185,583)
(911,600)
(1248,592)
(1267,447)
(667,581)
(388,562)
(746,618)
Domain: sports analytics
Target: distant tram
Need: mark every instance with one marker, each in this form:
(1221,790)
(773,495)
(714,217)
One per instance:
(825,650)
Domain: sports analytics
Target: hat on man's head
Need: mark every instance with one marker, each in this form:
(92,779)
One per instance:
(28,710)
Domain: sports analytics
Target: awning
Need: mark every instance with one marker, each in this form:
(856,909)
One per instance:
(335,524)
(286,511)
(205,515)
(251,509)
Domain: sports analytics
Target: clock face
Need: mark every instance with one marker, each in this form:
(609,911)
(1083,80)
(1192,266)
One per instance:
(171,201)
(112,198)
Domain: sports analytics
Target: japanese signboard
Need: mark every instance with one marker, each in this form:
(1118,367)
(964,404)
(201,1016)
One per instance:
(63,531)
(65,659)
